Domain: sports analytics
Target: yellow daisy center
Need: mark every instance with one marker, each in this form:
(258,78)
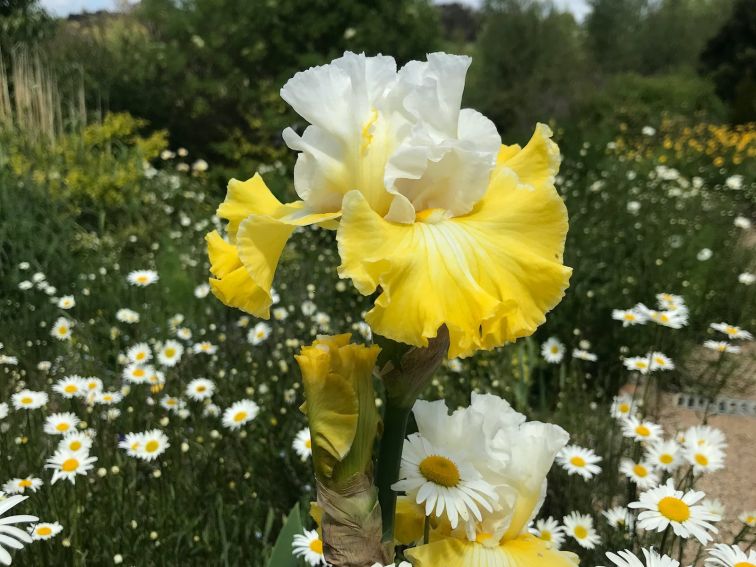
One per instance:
(663,318)
(643,431)
(139,372)
(731,330)
(440,470)
(69,465)
(152,446)
(201,389)
(44,531)
(170,352)
(640,471)
(142,279)
(554,349)
(62,426)
(545,535)
(701,459)
(578,461)
(62,330)
(240,416)
(624,408)
(640,364)
(26,400)
(629,317)
(744,564)
(75,445)
(581,532)
(26,483)
(316,545)
(71,389)
(308,443)
(140,355)
(660,361)
(666,459)
(674,509)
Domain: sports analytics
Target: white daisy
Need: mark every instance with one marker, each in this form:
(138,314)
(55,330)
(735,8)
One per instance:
(66,302)
(132,443)
(552,350)
(664,455)
(584,355)
(660,361)
(629,317)
(642,473)
(731,331)
(61,423)
(153,443)
(704,458)
(138,373)
(641,430)
(21,485)
(443,482)
(704,436)
(29,399)
(44,530)
(280,313)
(748,518)
(747,278)
(76,442)
(201,291)
(92,385)
(577,460)
(309,546)
(640,364)
(170,353)
(67,464)
(618,517)
(139,353)
(205,347)
(722,555)
(714,506)
(172,403)
(3,410)
(12,536)
(108,398)
(303,444)
(670,301)
(259,333)
(200,389)
(184,333)
(622,406)
(127,316)
(239,413)
(70,386)
(722,346)
(664,506)
(142,278)
(652,559)
(549,530)
(61,329)
(580,528)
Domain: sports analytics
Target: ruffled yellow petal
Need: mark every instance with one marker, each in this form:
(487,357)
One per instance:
(232,283)
(537,163)
(525,551)
(409,521)
(259,226)
(489,276)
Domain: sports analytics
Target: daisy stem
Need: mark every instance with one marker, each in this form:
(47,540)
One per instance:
(395,421)
(664,540)
(426,531)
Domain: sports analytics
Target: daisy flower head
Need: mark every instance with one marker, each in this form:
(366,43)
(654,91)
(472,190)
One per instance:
(66,302)
(714,506)
(723,555)
(61,423)
(172,403)
(581,354)
(704,458)
(184,333)
(142,278)
(280,313)
(674,319)
(61,329)
(731,331)
(309,547)
(21,485)
(239,413)
(259,333)
(577,460)
(445,484)
(660,361)
(651,559)
(722,346)
(128,316)
(13,537)
(70,386)
(670,301)
(414,182)
(303,444)
(132,443)
(742,222)
(623,406)
(201,291)
(553,350)
(640,364)
(747,278)
(92,385)
(665,506)
(748,518)
(108,398)
(629,317)
(618,517)
(704,436)
(580,528)
(137,373)
(139,353)
(29,399)
(549,530)
(67,464)
(153,443)
(45,530)
(76,442)
(3,410)
(200,389)
(642,473)
(170,353)
(641,430)
(205,347)
(664,455)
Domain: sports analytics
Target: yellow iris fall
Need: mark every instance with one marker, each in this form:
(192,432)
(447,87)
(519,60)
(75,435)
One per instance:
(489,275)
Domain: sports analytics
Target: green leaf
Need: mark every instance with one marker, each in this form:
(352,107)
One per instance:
(282,555)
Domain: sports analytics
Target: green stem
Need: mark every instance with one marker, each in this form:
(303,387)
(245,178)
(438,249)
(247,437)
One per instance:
(395,419)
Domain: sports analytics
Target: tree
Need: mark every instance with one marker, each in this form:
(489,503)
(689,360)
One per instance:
(613,30)
(22,22)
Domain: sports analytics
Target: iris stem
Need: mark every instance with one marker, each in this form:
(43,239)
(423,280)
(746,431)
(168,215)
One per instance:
(395,419)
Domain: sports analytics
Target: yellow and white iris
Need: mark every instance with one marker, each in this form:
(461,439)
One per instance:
(452,227)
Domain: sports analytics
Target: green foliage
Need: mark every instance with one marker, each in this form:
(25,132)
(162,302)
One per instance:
(22,21)
(613,28)
(281,555)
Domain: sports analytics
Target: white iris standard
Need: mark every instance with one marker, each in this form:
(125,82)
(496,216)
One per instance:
(665,506)
(443,482)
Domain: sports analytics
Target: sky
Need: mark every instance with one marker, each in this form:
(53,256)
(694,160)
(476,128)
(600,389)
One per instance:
(65,7)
